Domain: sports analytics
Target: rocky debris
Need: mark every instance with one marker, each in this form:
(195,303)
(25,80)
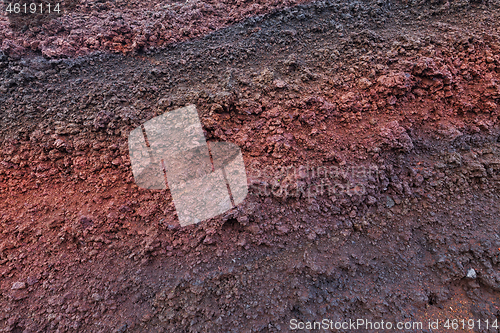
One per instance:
(102,119)
(85,27)
(355,185)
(364,83)
(426,67)
(249,107)
(85,222)
(447,131)
(12,49)
(395,83)
(396,137)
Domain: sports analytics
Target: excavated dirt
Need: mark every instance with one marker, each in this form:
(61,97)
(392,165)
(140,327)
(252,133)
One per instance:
(124,26)
(370,135)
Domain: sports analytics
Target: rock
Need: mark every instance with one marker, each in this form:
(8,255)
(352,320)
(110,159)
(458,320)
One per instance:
(128,114)
(36,136)
(32,281)
(209,240)
(217,108)
(280,84)
(253,228)
(12,49)
(124,209)
(264,77)
(283,229)
(390,202)
(85,222)
(397,82)
(246,106)
(102,119)
(395,136)
(364,83)
(308,117)
(18,285)
(348,97)
(164,103)
(122,328)
(476,169)
(225,99)
(70,128)
(96,297)
(425,67)
(329,108)
(42,167)
(448,131)
(117,161)
(371,200)
(60,144)
(471,274)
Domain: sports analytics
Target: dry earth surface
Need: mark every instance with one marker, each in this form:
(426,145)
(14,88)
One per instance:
(398,101)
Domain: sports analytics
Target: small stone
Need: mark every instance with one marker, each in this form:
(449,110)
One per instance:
(217,108)
(208,240)
(390,203)
(312,236)
(102,119)
(371,200)
(60,144)
(164,103)
(471,273)
(253,228)
(124,209)
(396,136)
(283,229)
(32,280)
(348,97)
(280,84)
(96,297)
(364,83)
(392,100)
(117,161)
(18,285)
(85,221)
(122,328)
(147,317)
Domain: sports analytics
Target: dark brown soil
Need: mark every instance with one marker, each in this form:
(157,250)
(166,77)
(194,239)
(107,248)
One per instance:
(398,101)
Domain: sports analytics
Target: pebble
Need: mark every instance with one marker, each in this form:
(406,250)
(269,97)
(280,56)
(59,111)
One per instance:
(60,144)
(471,273)
(371,200)
(18,285)
(390,202)
(364,83)
(280,84)
(96,297)
(32,280)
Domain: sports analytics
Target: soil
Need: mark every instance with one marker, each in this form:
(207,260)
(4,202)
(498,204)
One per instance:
(370,133)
